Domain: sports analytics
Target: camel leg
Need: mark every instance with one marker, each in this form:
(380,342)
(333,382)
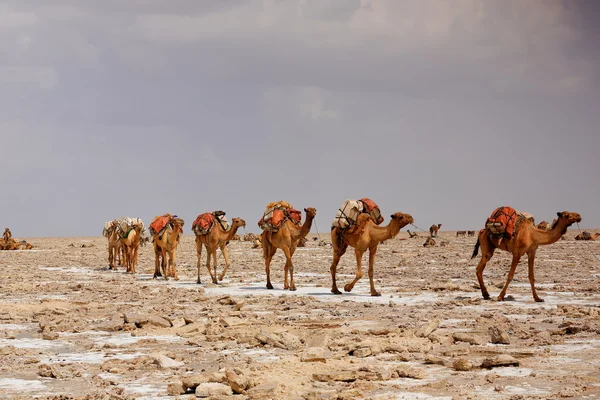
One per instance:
(213,279)
(359,273)
(487,251)
(199,255)
(163,263)
(214,256)
(286,268)
(227,263)
(530,259)
(290,267)
(135,257)
(269,253)
(174,264)
(338,252)
(510,276)
(372,251)
(156,263)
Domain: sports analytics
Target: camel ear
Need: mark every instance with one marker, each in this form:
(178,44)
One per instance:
(392,216)
(559,214)
(305,210)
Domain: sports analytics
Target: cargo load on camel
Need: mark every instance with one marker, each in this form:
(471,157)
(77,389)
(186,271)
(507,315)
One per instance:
(276,214)
(127,224)
(160,223)
(348,213)
(108,227)
(205,222)
(505,221)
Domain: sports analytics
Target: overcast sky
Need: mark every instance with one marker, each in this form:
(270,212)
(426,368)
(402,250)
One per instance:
(441,109)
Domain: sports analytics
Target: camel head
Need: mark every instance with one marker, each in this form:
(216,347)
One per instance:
(238,222)
(403,219)
(310,211)
(569,217)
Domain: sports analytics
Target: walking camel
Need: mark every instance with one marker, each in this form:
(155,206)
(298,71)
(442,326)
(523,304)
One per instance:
(433,230)
(130,245)
(217,238)
(286,239)
(525,240)
(114,245)
(165,244)
(366,235)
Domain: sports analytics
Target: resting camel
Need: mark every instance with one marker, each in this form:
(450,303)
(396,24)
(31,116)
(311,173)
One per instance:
(525,240)
(433,230)
(366,235)
(286,239)
(130,245)
(166,244)
(587,236)
(412,235)
(217,238)
(429,242)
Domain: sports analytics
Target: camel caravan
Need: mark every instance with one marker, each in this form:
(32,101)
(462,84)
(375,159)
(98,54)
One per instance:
(9,243)
(357,224)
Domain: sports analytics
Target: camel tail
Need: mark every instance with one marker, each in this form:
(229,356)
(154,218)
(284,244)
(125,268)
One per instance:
(475,250)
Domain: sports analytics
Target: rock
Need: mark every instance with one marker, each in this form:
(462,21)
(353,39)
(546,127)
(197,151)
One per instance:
(191,329)
(143,319)
(410,372)
(362,352)
(191,382)
(166,362)
(175,389)
(177,322)
(428,329)
(315,354)
(291,341)
(226,301)
(467,338)
(114,324)
(272,340)
(462,364)
(498,336)
(502,360)
(50,336)
(213,390)
(238,383)
(48,371)
(343,376)
(263,391)
(229,322)
(433,359)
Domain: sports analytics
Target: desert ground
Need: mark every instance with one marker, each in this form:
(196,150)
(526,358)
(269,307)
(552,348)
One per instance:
(72,329)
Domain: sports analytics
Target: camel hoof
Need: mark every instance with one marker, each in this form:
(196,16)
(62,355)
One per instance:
(293,288)
(198,281)
(335,291)
(176,278)
(221,278)
(348,288)
(375,294)
(269,286)
(486,297)
(539,300)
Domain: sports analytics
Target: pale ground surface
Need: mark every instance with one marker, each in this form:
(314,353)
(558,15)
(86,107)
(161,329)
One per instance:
(63,335)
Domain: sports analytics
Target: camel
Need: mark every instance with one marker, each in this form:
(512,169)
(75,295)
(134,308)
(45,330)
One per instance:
(366,236)
(7,235)
(525,240)
(587,236)
(461,233)
(130,245)
(433,230)
(114,245)
(412,235)
(286,239)
(166,244)
(217,238)
(302,242)
(471,233)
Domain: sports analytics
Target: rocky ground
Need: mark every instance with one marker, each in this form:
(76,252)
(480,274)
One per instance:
(70,328)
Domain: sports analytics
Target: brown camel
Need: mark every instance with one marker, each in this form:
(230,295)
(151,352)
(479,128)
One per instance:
(461,233)
(587,236)
(130,245)
(166,244)
(433,230)
(366,236)
(217,238)
(471,233)
(525,240)
(286,239)
(7,235)
(429,242)
(114,245)
(412,235)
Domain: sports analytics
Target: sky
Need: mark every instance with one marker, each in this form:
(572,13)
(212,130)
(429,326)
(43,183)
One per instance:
(443,109)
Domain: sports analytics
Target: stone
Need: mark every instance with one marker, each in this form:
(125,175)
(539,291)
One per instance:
(143,319)
(191,382)
(263,391)
(49,335)
(433,359)
(405,371)
(114,324)
(48,371)
(166,362)
(291,341)
(342,376)
(229,322)
(191,329)
(428,329)
(237,382)
(315,354)
(177,322)
(213,390)
(502,360)
(467,338)
(498,336)
(462,364)
(272,340)
(175,388)
(362,352)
